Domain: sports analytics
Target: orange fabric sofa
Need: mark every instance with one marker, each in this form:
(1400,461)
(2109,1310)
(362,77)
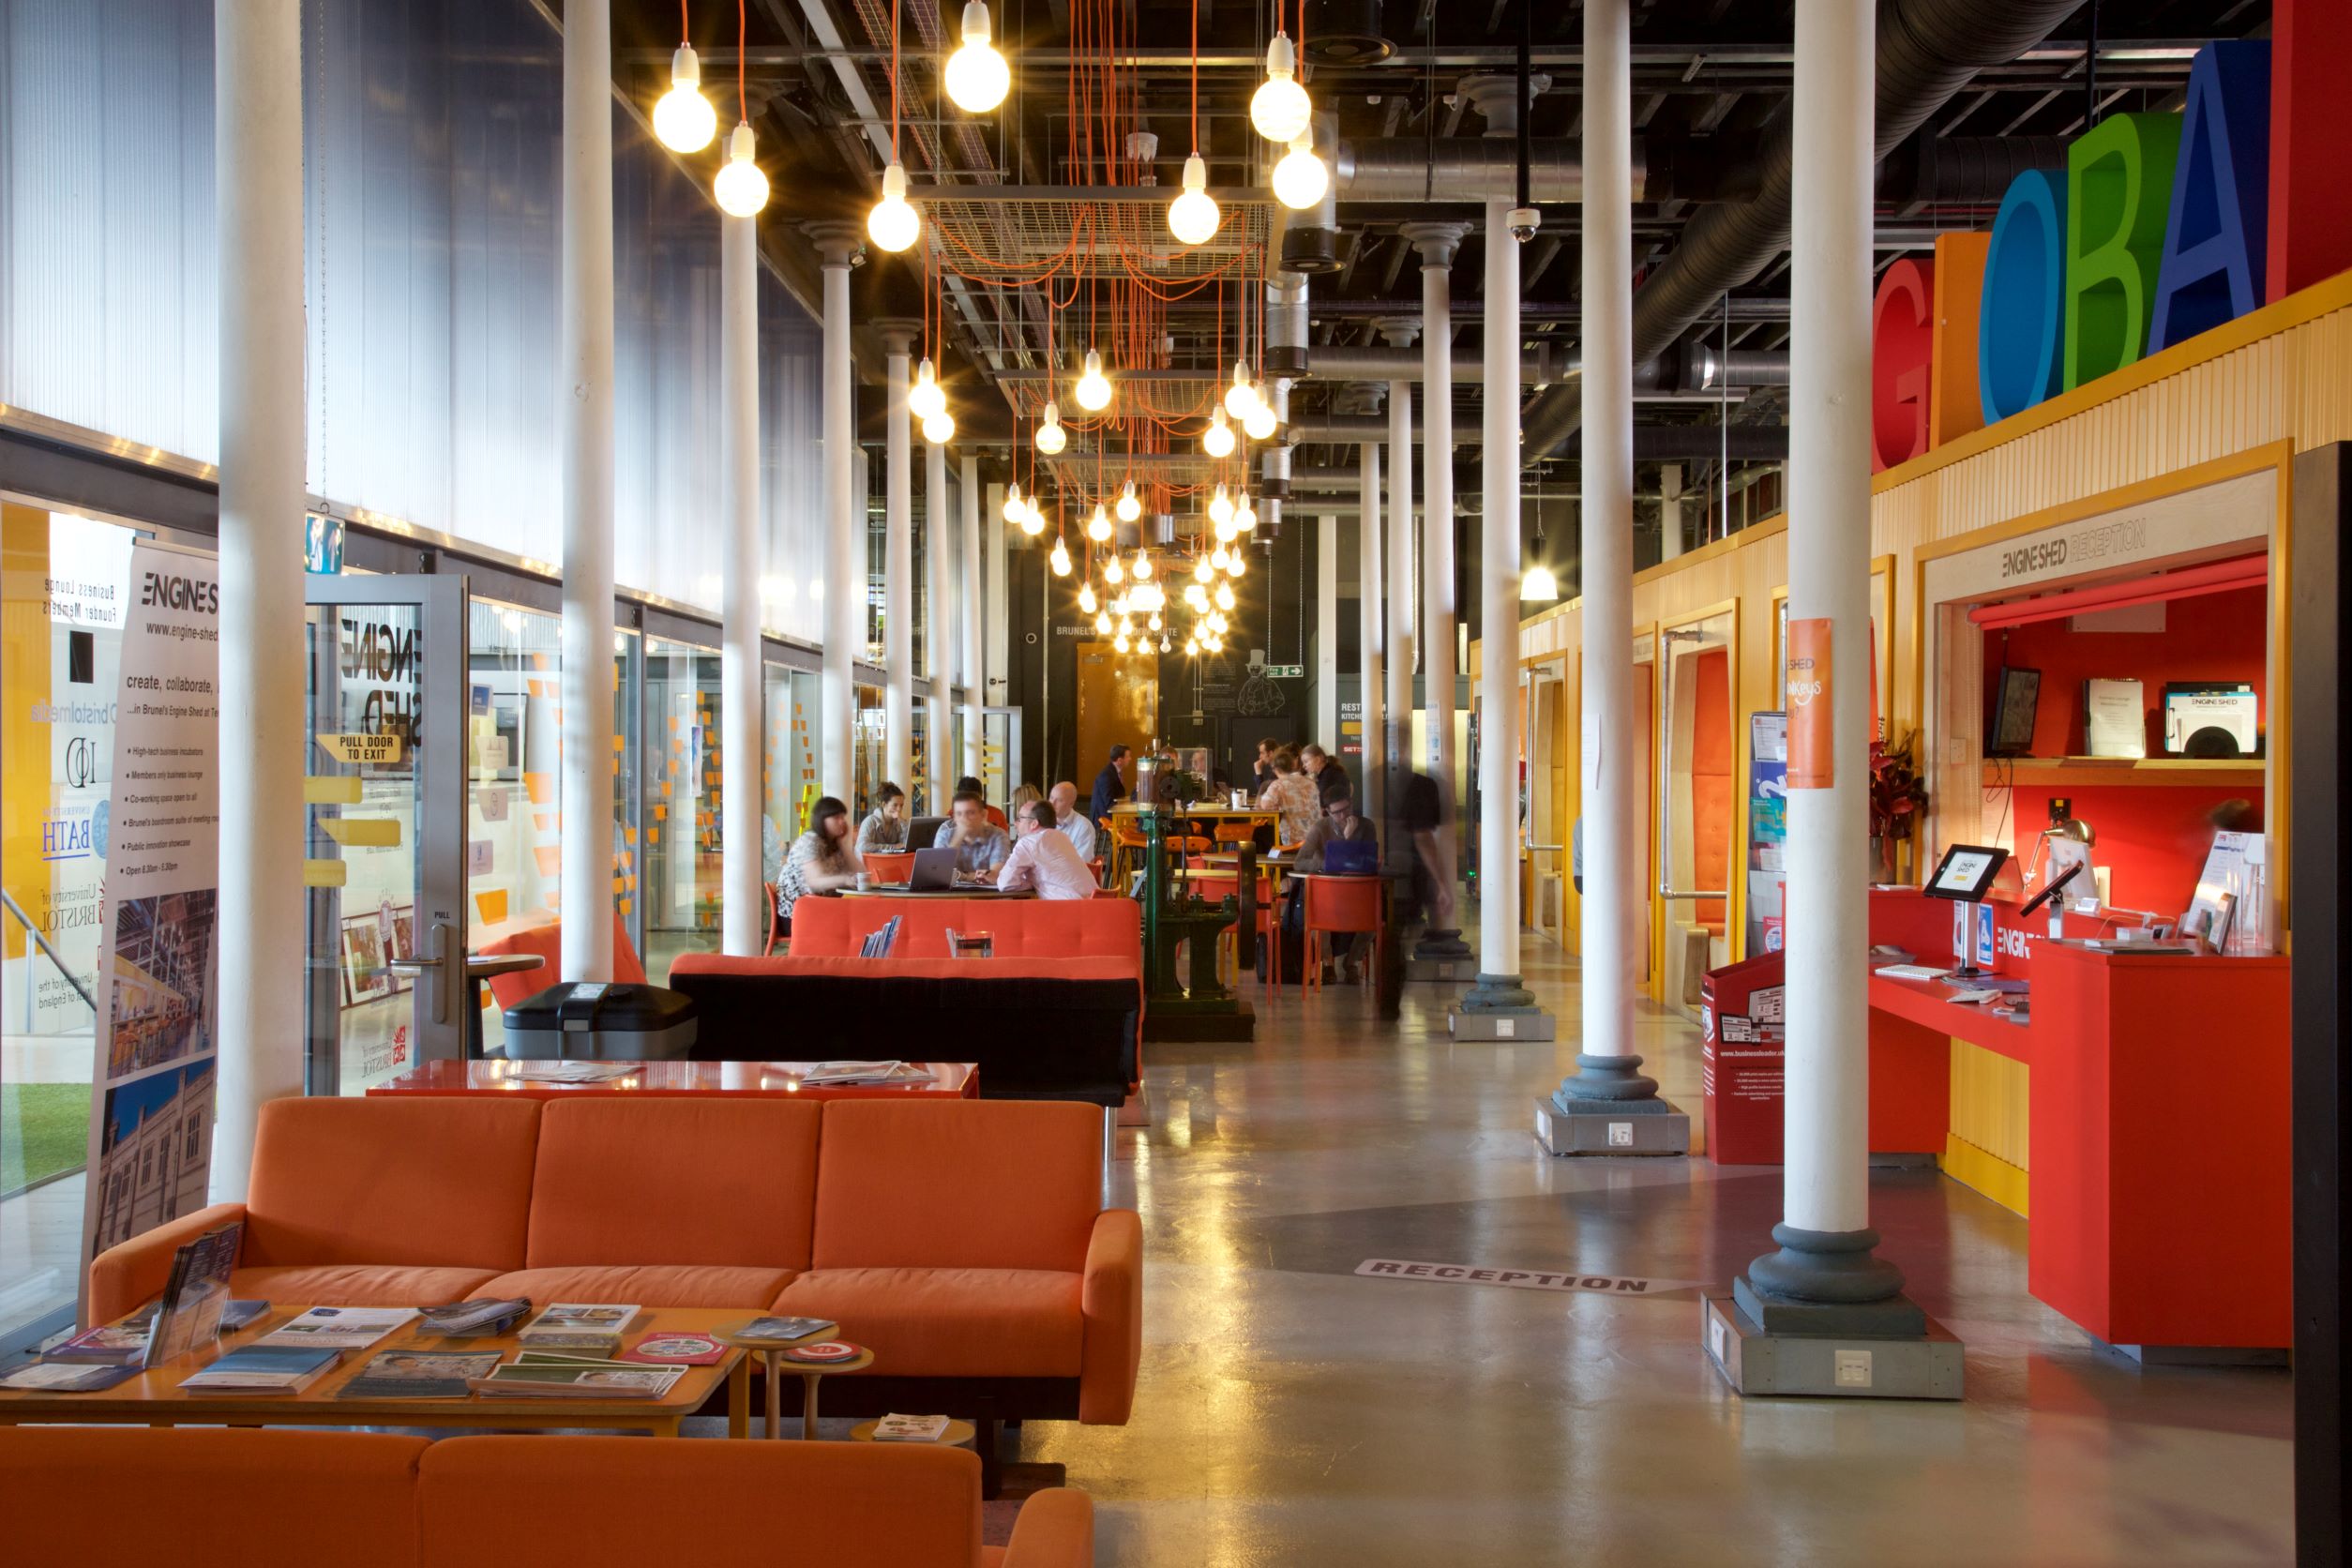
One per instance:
(1022,928)
(77,1496)
(964,1241)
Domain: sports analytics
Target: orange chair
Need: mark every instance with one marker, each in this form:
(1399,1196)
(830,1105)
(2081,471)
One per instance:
(887,867)
(775,921)
(546,940)
(1335,904)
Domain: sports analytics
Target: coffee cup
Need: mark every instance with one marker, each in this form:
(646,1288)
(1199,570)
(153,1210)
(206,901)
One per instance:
(864,881)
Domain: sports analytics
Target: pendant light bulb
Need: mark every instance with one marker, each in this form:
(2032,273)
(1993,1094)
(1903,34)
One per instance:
(1120,642)
(1240,396)
(939,429)
(1217,439)
(892,223)
(1087,602)
(1102,624)
(1098,527)
(1014,510)
(1113,573)
(1193,217)
(1051,437)
(1301,179)
(1224,600)
(1192,647)
(1245,516)
(1033,520)
(684,120)
(1259,424)
(1129,507)
(1234,565)
(1155,623)
(1143,566)
(1094,387)
(925,397)
(1216,559)
(977,76)
(1220,505)
(1279,109)
(1201,572)
(741,189)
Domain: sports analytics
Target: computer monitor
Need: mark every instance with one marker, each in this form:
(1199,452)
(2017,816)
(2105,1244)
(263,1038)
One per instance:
(1350,858)
(1966,873)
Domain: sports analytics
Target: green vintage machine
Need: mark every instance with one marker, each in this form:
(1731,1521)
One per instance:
(1197,1007)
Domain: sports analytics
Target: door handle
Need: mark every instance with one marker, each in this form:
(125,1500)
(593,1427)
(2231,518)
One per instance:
(446,963)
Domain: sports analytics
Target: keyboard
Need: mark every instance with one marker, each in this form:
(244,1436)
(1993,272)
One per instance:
(1909,972)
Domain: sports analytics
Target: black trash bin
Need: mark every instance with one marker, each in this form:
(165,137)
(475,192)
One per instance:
(590,1020)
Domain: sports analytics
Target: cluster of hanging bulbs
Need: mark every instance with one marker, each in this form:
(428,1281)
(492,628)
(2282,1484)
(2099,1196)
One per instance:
(1282,114)
(927,401)
(1248,407)
(685,122)
(1027,515)
(977,78)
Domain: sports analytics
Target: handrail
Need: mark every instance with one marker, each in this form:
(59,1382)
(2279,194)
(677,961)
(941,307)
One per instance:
(42,943)
(1668,893)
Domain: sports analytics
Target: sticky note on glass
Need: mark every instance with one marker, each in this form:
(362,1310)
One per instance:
(366,833)
(541,787)
(321,791)
(324,873)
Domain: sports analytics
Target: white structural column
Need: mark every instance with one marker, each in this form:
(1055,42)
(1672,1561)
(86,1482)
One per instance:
(968,580)
(587,247)
(844,581)
(1825,1239)
(1611,741)
(257,131)
(1499,989)
(1670,511)
(1436,243)
(744,916)
(1400,599)
(1371,626)
(897,562)
(938,528)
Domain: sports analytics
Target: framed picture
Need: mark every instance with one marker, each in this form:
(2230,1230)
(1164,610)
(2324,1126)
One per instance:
(365,978)
(2014,705)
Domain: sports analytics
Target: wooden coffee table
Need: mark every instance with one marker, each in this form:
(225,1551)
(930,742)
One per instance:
(771,1352)
(154,1398)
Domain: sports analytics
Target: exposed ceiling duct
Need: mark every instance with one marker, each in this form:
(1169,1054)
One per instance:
(1652,443)
(1928,49)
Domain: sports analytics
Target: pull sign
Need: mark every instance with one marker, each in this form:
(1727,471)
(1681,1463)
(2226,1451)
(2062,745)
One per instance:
(1811,758)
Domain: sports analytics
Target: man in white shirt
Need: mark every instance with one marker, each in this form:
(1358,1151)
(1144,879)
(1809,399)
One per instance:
(1045,859)
(1073,822)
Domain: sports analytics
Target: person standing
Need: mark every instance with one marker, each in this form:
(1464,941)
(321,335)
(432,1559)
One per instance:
(981,847)
(1111,785)
(1292,795)
(1068,818)
(1046,860)
(884,829)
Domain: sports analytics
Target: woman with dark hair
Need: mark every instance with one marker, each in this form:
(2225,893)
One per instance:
(824,860)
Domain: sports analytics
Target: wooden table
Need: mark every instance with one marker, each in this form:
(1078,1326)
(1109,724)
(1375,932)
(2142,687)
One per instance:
(154,1398)
(950,1080)
(770,1352)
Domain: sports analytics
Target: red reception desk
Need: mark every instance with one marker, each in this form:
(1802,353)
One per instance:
(2156,1121)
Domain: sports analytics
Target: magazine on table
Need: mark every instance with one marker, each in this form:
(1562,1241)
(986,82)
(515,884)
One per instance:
(474,1318)
(592,1328)
(847,1073)
(195,1296)
(419,1375)
(910,1428)
(783,1330)
(69,1376)
(543,1379)
(262,1368)
(573,1072)
(342,1328)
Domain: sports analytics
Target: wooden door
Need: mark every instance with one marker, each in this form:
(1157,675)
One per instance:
(1118,703)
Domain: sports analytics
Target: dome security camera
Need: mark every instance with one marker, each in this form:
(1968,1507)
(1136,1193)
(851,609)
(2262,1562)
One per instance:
(1523,222)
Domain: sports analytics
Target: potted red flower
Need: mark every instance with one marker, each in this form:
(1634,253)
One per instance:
(1898,802)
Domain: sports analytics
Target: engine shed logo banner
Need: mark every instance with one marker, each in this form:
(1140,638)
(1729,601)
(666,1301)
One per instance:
(1812,758)
(159,957)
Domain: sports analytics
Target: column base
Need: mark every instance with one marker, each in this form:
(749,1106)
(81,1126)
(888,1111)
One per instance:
(1514,1023)
(1827,1282)
(1604,1127)
(1758,1361)
(1449,971)
(1609,1078)
(1435,944)
(1499,994)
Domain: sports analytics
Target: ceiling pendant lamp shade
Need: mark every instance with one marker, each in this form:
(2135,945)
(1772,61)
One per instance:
(925,397)
(684,120)
(1094,387)
(1193,217)
(1015,512)
(1217,439)
(977,76)
(741,189)
(1051,437)
(1060,562)
(1129,507)
(892,223)
(1260,423)
(1279,109)
(1300,179)
(1240,396)
(1098,529)
(1539,585)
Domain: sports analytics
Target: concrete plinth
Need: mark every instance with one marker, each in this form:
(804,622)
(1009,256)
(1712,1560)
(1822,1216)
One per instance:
(1532,1024)
(1454,971)
(1446,946)
(1754,1362)
(1636,1127)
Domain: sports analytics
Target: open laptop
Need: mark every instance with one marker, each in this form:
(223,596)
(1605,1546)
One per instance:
(1350,858)
(934,870)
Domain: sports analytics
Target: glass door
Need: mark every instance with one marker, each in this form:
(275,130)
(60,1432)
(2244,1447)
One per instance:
(386,798)
(1699,797)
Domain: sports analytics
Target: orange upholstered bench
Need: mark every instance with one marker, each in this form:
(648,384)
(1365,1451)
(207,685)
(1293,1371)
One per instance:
(382,1500)
(964,1241)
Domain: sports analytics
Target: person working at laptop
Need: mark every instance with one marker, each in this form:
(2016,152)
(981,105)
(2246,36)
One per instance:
(1044,859)
(1340,843)
(981,847)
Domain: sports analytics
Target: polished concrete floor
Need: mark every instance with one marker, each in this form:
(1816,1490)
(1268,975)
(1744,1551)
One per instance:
(1292,1413)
